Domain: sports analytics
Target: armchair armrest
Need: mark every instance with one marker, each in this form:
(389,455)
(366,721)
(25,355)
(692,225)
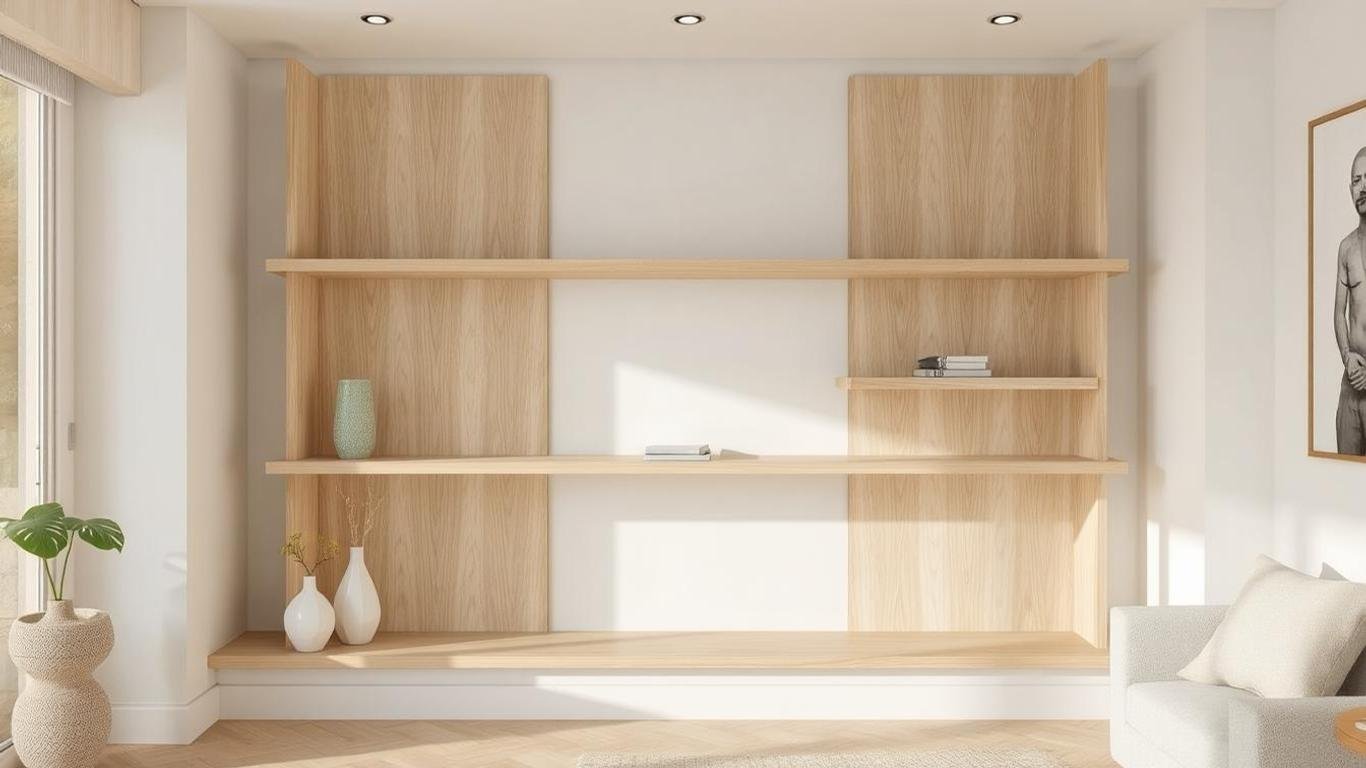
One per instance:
(1153,644)
(1283,733)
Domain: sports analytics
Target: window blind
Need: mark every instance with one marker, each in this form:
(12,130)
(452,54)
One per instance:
(30,70)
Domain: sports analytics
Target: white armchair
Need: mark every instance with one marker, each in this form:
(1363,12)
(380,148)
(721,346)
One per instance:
(1160,721)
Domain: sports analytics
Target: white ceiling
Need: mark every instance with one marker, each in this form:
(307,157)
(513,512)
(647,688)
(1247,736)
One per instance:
(734,28)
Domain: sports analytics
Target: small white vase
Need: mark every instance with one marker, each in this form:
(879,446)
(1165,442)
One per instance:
(309,618)
(357,602)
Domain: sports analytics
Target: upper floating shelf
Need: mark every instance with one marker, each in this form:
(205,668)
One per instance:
(696,269)
(722,465)
(992,383)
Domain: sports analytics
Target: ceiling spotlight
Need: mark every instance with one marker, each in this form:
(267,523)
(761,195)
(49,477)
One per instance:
(377,19)
(689,19)
(1004,19)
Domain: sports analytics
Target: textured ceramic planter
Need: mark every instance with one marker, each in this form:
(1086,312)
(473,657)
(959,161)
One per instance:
(309,618)
(353,420)
(357,602)
(61,719)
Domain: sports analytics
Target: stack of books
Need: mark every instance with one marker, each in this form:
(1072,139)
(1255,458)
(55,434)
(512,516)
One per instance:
(677,453)
(953,366)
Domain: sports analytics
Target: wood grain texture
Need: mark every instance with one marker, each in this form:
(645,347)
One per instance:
(746,465)
(435,167)
(1091,574)
(959,166)
(440,167)
(302,143)
(459,368)
(1090,232)
(1007,167)
(465,552)
(97,40)
(676,650)
(301,372)
(696,269)
(1024,326)
(987,553)
(993,383)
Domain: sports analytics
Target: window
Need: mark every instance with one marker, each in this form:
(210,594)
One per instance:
(27,362)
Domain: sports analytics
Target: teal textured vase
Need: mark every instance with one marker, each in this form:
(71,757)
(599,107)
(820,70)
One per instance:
(353,425)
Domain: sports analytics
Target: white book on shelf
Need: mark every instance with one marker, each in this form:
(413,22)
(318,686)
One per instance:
(677,450)
(943,373)
(953,361)
(678,457)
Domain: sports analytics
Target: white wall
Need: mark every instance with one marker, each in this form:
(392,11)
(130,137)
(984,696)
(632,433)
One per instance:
(1319,511)
(723,159)
(159,342)
(132,399)
(217,136)
(1206,372)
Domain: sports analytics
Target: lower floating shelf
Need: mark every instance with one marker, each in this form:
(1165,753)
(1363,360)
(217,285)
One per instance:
(737,464)
(675,650)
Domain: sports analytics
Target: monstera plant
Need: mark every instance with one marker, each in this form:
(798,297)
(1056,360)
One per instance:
(48,534)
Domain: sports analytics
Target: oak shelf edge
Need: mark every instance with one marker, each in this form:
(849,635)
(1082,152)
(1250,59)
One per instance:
(736,465)
(674,650)
(695,269)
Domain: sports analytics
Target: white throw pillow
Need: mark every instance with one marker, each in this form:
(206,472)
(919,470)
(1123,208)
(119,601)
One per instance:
(1287,636)
(1355,684)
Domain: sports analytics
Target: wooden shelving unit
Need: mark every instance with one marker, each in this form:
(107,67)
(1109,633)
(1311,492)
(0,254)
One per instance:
(976,506)
(676,650)
(991,384)
(695,269)
(732,465)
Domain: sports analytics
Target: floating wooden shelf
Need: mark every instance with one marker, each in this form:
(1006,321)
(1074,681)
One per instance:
(1002,383)
(696,269)
(738,465)
(675,650)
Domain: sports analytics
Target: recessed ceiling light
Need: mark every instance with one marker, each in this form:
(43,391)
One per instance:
(377,19)
(689,19)
(1004,19)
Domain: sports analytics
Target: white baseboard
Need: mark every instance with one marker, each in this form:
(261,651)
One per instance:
(165,724)
(468,695)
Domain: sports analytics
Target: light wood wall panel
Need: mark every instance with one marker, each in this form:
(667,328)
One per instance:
(459,368)
(978,167)
(428,167)
(302,145)
(97,40)
(301,371)
(1089,162)
(425,167)
(972,554)
(968,167)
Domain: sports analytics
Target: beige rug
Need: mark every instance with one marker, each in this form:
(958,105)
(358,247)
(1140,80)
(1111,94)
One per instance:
(956,758)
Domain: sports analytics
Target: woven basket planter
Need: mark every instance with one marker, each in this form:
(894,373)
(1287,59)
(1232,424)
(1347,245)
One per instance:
(61,720)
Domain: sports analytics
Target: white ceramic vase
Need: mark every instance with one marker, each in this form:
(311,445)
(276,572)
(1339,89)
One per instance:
(309,618)
(61,720)
(357,602)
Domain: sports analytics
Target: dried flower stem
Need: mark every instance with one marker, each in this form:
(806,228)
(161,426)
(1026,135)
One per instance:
(294,549)
(360,519)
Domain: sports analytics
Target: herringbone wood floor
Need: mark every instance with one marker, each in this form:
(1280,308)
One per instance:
(557,744)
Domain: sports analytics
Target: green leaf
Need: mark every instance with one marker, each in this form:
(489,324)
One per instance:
(41,532)
(99,533)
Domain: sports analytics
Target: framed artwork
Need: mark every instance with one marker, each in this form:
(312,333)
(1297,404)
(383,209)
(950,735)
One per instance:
(1337,284)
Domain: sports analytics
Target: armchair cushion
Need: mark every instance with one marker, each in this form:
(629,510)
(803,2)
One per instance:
(1288,635)
(1189,721)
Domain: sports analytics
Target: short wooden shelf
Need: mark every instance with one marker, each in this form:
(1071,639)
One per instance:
(675,650)
(1002,383)
(738,465)
(696,269)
